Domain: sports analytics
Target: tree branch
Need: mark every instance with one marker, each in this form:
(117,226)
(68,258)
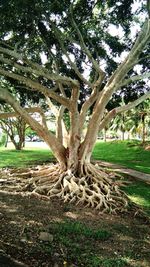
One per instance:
(87,51)
(113,85)
(116,79)
(57,148)
(58,33)
(37,86)
(87,104)
(121,109)
(58,113)
(34,67)
(6,115)
(135,78)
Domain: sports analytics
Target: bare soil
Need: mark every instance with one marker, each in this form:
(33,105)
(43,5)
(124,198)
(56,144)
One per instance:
(24,217)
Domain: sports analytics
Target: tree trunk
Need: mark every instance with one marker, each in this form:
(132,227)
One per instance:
(105,138)
(6,142)
(143,129)
(74,179)
(57,148)
(123,135)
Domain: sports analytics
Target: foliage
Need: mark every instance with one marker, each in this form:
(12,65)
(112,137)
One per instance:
(134,122)
(30,133)
(27,32)
(72,43)
(2,139)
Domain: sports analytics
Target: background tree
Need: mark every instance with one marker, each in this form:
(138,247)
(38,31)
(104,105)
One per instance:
(14,128)
(74,38)
(143,112)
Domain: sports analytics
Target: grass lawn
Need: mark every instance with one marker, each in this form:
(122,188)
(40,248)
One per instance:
(127,153)
(26,157)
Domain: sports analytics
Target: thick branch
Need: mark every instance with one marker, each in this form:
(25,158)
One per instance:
(87,104)
(61,127)
(74,138)
(52,107)
(7,115)
(61,131)
(117,77)
(57,148)
(36,86)
(112,85)
(34,67)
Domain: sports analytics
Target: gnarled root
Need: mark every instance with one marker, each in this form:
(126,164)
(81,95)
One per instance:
(94,188)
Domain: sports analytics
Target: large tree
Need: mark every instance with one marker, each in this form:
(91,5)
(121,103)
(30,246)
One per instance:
(85,66)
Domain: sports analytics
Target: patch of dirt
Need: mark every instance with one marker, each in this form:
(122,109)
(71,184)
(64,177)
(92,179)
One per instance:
(24,217)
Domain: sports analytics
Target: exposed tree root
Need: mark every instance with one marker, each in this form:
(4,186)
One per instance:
(94,188)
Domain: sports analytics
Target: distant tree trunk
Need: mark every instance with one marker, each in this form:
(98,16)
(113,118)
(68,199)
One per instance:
(143,128)
(6,142)
(129,135)
(123,135)
(105,131)
(15,130)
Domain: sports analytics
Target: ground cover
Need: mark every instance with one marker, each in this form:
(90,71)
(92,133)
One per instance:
(73,236)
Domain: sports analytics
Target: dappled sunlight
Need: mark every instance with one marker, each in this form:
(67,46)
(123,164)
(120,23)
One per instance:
(126,238)
(71,215)
(9,209)
(140,200)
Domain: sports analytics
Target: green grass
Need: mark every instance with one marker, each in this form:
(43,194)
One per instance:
(78,244)
(78,229)
(26,157)
(129,154)
(139,192)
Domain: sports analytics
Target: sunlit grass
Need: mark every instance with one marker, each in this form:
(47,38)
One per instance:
(14,158)
(140,200)
(129,154)
(139,193)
